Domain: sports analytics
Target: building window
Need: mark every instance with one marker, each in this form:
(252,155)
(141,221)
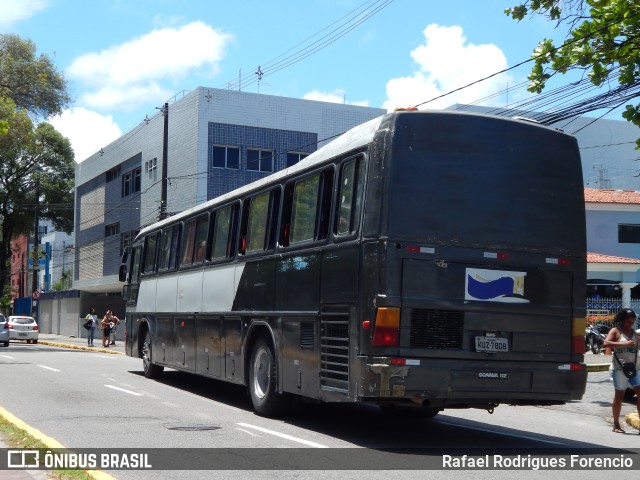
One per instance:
(131,182)
(150,166)
(42,230)
(629,233)
(295,157)
(113,173)
(111,230)
(259,160)
(225,157)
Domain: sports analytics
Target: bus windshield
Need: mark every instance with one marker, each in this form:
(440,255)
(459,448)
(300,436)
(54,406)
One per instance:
(485,182)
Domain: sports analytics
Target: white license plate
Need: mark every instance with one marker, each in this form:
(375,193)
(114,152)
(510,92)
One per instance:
(22,334)
(492,344)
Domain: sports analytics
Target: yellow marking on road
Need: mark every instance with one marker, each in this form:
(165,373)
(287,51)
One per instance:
(48,441)
(79,347)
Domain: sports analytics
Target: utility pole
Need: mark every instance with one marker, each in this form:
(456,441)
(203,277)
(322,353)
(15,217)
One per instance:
(34,284)
(165,163)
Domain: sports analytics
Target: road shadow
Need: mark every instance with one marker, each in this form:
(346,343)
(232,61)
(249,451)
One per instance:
(367,426)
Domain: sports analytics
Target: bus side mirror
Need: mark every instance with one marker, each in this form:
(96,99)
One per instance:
(122,273)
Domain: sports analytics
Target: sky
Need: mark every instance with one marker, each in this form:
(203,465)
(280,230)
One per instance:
(124,58)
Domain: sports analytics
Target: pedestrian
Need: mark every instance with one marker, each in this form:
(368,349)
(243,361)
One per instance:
(113,324)
(92,328)
(106,328)
(623,341)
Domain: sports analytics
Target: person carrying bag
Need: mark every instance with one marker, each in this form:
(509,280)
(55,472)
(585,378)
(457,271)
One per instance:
(623,341)
(91,322)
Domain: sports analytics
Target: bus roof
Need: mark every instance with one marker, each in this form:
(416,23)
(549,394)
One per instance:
(353,139)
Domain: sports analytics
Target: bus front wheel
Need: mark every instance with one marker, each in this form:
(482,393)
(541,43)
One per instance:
(151,370)
(263,381)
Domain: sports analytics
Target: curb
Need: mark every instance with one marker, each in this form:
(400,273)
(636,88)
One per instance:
(50,443)
(79,347)
(598,367)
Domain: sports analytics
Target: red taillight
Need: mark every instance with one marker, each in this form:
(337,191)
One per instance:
(412,249)
(386,332)
(398,361)
(503,256)
(8,325)
(366,324)
(577,345)
(564,261)
(35,327)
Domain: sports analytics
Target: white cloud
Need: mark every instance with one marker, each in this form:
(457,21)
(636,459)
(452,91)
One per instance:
(445,62)
(336,96)
(129,74)
(14,11)
(88,131)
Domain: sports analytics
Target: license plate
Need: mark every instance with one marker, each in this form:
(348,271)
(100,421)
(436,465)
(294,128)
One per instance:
(22,334)
(492,344)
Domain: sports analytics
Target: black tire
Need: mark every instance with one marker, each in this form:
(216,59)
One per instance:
(6,344)
(595,347)
(151,370)
(591,345)
(263,382)
(34,341)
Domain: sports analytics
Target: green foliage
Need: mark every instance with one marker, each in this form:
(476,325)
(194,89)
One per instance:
(603,37)
(32,82)
(31,154)
(64,283)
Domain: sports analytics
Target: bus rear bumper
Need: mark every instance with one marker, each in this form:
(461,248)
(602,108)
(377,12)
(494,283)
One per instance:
(446,383)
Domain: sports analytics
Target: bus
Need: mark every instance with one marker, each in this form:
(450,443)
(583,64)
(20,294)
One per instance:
(421,261)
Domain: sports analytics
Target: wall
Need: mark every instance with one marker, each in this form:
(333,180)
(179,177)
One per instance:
(602,232)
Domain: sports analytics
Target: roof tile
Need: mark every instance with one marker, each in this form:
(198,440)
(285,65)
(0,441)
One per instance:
(596,195)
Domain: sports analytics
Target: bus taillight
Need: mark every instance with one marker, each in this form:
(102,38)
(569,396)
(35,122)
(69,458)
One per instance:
(386,332)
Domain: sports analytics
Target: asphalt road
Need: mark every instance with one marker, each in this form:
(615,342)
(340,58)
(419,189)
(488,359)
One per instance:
(95,400)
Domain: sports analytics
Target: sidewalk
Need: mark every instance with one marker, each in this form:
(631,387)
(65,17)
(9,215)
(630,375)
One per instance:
(80,343)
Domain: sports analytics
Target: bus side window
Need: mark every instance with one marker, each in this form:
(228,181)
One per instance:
(221,235)
(135,265)
(175,242)
(350,197)
(257,223)
(202,227)
(150,249)
(188,238)
(165,249)
(285,224)
(305,209)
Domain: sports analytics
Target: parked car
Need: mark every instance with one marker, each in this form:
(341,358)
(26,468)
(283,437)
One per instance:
(23,328)
(4,331)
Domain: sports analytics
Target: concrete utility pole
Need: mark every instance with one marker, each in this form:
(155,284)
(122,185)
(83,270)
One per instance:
(165,163)
(36,253)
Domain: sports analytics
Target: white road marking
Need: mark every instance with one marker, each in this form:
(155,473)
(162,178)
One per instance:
(123,390)
(283,435)
(7,356)
(247,431)
(49,368)
(526,437)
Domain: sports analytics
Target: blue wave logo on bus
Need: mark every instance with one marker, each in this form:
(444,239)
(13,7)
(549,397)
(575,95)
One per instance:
(495,286)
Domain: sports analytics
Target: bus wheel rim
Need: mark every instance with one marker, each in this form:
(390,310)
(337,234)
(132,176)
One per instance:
(261,373)
(146,353)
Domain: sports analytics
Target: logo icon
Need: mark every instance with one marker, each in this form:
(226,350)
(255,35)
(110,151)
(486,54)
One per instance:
(23,459)
(495,286)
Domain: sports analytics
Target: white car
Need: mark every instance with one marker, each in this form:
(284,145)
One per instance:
(23,328)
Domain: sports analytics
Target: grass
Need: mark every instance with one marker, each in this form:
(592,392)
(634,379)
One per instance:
(17,438)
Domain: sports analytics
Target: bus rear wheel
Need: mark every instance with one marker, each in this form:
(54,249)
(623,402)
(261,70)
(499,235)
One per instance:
(151,370)
(263,381)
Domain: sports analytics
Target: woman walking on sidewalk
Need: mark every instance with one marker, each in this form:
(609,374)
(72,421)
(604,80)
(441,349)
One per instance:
(623,340)
(106,328)
(92,328)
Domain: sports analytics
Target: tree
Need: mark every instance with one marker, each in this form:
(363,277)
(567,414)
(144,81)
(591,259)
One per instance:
(30,153)
(31,82)
(603,42)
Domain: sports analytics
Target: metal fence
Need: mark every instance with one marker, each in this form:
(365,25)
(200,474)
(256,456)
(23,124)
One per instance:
(603,310)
